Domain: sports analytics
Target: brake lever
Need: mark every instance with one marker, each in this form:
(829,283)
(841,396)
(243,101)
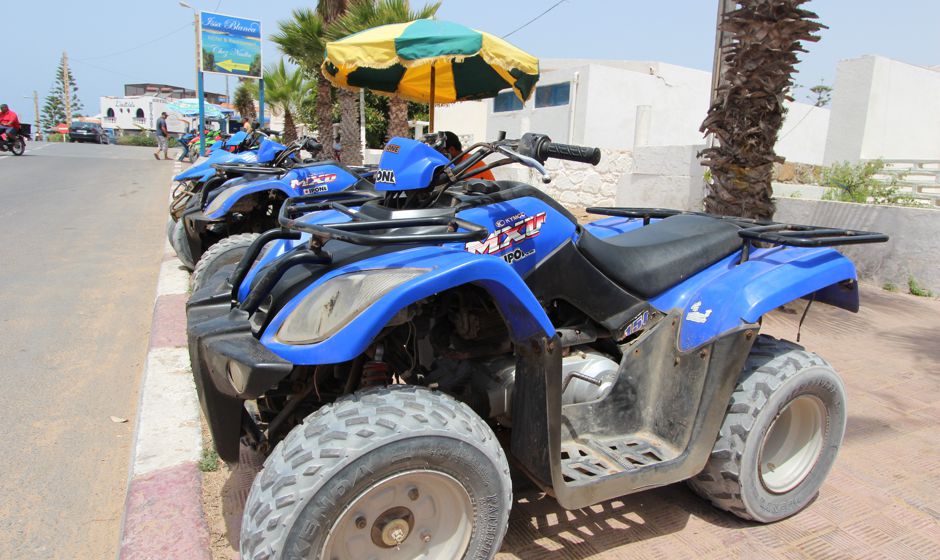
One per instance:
(530,162)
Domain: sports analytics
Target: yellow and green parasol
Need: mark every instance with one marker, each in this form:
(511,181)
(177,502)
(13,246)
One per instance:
(430,61)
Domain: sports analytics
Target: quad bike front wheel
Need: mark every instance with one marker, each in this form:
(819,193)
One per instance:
(390,473)
(229,250)
(780,437)
(19,147)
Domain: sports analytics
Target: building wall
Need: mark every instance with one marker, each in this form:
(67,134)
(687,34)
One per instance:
(125,111)
(883,108)
(802,138)
(466,119)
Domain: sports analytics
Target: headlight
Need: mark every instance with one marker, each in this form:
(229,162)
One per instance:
(331,306)
(218,201)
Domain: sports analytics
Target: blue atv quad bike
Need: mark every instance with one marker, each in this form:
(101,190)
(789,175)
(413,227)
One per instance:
(220,219)
(393,355)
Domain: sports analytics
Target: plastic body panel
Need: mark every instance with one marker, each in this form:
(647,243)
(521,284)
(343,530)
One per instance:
(407,165)
(447,268)
(727,295)
(325,178)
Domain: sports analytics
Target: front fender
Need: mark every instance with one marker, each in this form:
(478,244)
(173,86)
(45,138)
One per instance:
(727,295)
(448,268)
(233,194)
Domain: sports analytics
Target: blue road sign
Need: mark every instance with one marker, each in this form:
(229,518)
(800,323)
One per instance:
(230,45)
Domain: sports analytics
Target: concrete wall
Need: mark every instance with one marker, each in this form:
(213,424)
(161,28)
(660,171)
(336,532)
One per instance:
(577,184)
(802,137)
(663,177)
(466,119)
(912,250)
(883,108)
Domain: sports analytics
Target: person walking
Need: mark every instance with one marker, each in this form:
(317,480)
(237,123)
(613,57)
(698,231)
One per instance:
(162,134)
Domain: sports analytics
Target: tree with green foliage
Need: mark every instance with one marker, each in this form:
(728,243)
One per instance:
(823,94)
(245,101)
(53,109)
(302,39)
(366,14)
(285,90)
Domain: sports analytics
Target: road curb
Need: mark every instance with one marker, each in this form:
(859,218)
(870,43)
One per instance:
(163,515)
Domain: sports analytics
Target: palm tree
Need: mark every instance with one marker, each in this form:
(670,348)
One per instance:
(286,90)
(747,110)
(301,39)
(365,14)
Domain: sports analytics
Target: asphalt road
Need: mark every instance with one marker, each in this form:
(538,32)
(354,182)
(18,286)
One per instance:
(81,240)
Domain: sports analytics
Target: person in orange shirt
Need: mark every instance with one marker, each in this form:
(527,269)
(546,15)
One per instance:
(452,147)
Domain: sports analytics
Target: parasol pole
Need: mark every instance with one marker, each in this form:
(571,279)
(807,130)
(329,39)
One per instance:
(431,105)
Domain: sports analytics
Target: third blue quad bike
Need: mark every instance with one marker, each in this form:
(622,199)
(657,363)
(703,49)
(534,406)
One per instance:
(395,353)
(221,220)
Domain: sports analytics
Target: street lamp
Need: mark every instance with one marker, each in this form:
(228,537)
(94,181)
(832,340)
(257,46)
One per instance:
(201,123)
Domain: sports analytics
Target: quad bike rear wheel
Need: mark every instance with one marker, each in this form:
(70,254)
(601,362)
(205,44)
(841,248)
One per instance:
(399,472)
(18,147)
(229,250)
(780,437)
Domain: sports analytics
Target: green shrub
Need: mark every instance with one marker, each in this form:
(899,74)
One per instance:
(916,290)
(209,461)
(856,183)
(137,140)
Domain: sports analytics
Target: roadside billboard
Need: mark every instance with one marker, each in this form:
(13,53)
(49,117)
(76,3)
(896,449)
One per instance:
(230,45)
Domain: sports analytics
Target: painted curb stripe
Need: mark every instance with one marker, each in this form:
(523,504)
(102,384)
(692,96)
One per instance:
(163,515)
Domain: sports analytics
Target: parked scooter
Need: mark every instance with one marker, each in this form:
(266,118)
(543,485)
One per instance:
(388,352)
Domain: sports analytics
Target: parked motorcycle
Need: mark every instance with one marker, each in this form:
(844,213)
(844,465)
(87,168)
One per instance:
(387,352)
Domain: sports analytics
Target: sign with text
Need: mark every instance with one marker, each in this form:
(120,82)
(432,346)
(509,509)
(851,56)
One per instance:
(230,45)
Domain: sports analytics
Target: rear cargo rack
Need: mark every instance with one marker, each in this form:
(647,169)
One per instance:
(765,231)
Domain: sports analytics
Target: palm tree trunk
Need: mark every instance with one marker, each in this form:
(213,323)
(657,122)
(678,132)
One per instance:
(290,129)
(349,127)
(324,112)
(398,118)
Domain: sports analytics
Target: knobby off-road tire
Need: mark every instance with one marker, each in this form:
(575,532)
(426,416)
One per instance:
(319,493)
(780,437)
(176,234)
(229,250)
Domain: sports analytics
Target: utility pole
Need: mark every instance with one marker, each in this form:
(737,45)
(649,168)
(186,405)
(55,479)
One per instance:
(36,107)
(67,88)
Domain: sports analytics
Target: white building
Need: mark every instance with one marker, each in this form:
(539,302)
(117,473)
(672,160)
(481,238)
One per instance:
(138,113)
(883,108)
(617,105)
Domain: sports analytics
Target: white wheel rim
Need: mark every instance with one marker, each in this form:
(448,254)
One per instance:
(428,513)
(793,444)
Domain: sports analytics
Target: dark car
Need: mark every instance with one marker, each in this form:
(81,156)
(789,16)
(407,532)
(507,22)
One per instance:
(87,132)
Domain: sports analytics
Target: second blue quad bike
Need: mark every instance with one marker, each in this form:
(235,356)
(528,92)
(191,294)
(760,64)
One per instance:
(222,220)
(395,355)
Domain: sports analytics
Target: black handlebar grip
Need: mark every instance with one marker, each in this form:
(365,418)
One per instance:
(570,152)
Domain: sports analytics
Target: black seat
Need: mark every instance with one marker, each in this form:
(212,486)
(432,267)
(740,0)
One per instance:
(653,258)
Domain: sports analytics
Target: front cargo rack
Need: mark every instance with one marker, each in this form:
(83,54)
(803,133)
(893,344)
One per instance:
(366,230)
(361,230)
(764,231)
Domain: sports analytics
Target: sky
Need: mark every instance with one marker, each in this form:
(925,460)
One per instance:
(113,42)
